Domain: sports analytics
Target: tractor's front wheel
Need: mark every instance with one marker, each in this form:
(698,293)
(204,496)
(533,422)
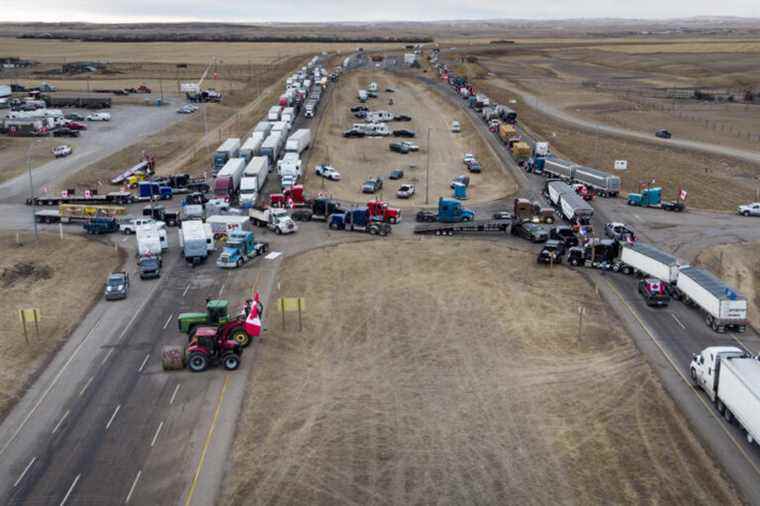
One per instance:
(197,362)
(231,361)
(241,337)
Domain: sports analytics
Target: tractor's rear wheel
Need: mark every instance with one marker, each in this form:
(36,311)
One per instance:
(231,361)
(241,337)
(197,362)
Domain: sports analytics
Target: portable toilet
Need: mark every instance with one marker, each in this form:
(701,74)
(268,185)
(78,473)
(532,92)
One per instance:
(460,191)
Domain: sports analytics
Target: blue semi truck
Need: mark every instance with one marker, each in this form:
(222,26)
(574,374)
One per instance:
(358,220)
(449,211)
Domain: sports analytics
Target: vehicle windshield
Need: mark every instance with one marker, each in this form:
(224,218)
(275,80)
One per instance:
(149,263)
(115,281)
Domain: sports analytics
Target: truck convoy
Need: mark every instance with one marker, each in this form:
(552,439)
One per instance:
(228,150)
(731,379)
(605,185)
(254,178)
(299,141)
(271,146)
(251,146)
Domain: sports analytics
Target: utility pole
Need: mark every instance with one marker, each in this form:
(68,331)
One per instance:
(161,87)
(427,170)
(31,187)
(581,310)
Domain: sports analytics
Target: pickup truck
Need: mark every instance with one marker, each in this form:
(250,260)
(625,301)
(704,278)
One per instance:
(131,225)
(150,267)
(274,219)
(372,185)
(117,286)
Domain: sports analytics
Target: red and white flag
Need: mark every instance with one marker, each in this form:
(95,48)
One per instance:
(252,323)
(683,194)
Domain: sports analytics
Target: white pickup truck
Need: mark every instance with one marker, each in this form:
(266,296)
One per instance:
(130,225)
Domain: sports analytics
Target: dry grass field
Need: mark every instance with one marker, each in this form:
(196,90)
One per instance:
(426,379)
(359,159)
(701,47)
(241,53)
(13,153)
(43,271)
(700,174)
(739,266)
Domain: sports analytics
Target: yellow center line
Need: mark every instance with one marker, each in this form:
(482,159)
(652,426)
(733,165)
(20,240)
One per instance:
(211,429)
(701,398)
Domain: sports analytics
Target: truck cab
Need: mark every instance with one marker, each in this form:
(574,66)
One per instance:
(101,225)
(705,367)
(239,248)
(649,197)
(380,210)
(451,211)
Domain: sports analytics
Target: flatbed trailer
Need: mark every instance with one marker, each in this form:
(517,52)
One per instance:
(120,198)
(77,213)
(475,226)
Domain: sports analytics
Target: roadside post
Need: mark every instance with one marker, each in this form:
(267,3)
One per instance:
(292,304)
(28,316)
(581,310)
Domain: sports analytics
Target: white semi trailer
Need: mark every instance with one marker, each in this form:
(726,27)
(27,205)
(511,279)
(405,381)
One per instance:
(731,379)
(723,307)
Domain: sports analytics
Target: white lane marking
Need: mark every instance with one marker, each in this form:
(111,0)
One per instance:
(81,392)
(168,320)
(221,289)
(638,218)
(132,488)
(678,321)
(186,289)
(108,355)
(71,489)
(176,389)
(110,420)
(60,422)
(155,436)
(23,473)
(145,361)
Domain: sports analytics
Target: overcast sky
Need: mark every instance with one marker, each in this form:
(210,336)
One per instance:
(335,10)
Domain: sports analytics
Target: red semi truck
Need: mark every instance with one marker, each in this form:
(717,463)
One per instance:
(379,210)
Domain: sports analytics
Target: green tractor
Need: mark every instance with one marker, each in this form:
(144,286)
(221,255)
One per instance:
(216,315)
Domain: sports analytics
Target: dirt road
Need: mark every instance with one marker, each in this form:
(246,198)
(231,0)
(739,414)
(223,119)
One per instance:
(403,389)
(359,159)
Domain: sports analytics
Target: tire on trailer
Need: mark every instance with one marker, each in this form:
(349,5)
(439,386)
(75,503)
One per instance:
(693,376)
(719,406)
(728,415)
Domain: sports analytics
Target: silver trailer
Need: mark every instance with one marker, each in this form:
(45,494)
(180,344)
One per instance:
(556,167)
(605,185)
(722,305)
(555,189)
(574,208)
(651,261)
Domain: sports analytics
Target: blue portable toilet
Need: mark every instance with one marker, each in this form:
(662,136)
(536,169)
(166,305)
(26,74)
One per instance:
(460,191)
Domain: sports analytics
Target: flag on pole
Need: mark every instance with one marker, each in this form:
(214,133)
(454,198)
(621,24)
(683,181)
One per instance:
(683,194)
(252,323)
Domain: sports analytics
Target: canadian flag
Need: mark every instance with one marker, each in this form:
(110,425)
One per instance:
(252,323)
(683,194)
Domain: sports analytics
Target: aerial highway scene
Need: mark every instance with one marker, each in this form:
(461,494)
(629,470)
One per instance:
(358,254)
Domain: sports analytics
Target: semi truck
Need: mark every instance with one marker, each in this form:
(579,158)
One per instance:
(228,150)
(274,219)
(239,248)
(196,241)
(264,127)
(449,211)
(254,177)
(731,379)
(604,184)
(271,146)
(274,113)
(651,261)
(723,307)
(299,141)
(227,181)
(358,220)
(150,240)
(570,205)
(558,168)
(251,146)
(222,225)
(152,190)
(320,209)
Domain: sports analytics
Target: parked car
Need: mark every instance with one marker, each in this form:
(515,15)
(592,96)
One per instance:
(353,133)
(530,231)
(73,125)
(503,215)
(399,147)
(62,151)
(411,146)
(75,116)
(372,185)
(358,108)
(468,157)
(360,114)
(619,231)
(654,292)
(402,117)
(565,234)
(65,132)
(390,90)
(99,116)
(405,191)
(663,134)
(186,109)
(749,209)
(404,133)
(396,174)
(456,127)
(117,286)
(327,172)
